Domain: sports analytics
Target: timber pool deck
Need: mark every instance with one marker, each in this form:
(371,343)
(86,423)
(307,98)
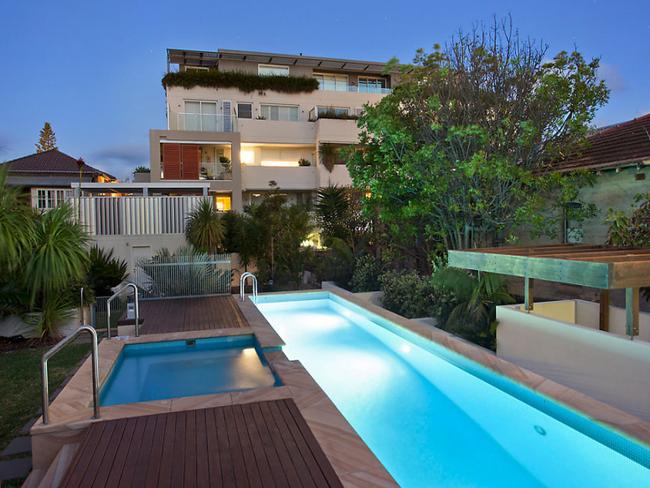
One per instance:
(255,444)
(188,314)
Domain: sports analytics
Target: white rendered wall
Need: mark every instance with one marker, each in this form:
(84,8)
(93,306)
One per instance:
(606,366)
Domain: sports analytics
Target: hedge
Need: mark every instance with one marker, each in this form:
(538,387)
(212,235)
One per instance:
(243,81)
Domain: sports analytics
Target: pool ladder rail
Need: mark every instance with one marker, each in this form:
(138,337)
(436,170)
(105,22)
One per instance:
(137,308)
(45,391)
(242,285)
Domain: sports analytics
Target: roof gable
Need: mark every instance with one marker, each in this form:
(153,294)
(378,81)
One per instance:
(52,161)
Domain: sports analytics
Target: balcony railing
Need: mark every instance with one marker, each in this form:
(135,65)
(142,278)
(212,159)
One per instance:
(334,113)
(214,171)
(354,88)
(205,122)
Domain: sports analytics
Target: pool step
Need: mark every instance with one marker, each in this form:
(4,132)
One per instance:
(54,475)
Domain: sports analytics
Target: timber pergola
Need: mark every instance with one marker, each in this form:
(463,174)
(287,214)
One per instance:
(602,267)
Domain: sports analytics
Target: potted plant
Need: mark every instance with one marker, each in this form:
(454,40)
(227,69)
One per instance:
(304,162)
(141,174)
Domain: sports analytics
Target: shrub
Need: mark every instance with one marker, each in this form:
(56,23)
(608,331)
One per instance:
(141,169)
(407,293)
(473,313)
(104,271)
(366,274)
(243,81)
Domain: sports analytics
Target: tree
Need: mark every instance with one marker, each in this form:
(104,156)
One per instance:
(204,229)
(458,154)
(47,139)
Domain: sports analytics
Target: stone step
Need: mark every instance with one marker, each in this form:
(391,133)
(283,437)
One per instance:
(15,468)
(20,445)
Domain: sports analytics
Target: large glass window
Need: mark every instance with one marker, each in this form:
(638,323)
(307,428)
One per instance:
(280,112)
(332,82)
(272,70)
(201,116)
(333,112)
(371,85)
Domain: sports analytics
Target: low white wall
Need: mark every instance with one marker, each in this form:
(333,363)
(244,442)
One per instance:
(605,366)
(132,248)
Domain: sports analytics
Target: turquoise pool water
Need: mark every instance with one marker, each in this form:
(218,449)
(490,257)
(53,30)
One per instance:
(434,418)
(160,370)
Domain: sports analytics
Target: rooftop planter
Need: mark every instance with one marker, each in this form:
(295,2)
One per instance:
(242,81)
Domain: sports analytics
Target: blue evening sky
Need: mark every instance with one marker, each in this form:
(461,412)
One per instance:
(93,68)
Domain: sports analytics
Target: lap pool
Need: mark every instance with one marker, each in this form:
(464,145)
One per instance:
(435,418)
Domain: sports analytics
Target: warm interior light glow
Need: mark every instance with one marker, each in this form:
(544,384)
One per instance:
(246,156)
(289,164)
(223,203)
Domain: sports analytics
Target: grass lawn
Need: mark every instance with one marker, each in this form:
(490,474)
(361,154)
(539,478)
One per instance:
(20,384)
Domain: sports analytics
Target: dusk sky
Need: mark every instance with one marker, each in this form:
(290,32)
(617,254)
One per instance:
(93,68)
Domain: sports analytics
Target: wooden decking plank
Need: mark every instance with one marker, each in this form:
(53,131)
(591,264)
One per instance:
(84,455)
(214,457)
(121,453)
(259,444)
(179,459)
(167,455)
(146,455)
(201,449)
(237,457)
(225,454)
(137,442)
(254,478)
(296,456)
(285,460)
(102,462)
(152,474)
(305,451)
(190,449)
(316,450)
(269,449)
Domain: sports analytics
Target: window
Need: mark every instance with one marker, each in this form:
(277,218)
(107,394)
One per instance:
(280,112)
(245,110)
(223,203)
(272,70)
(332,82)
(200,116)
(371,85)
(46,199)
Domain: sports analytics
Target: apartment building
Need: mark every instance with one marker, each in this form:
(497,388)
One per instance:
(246,142)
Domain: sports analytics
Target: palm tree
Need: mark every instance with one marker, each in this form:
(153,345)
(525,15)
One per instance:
(17,231)
(204,229)
(56,265)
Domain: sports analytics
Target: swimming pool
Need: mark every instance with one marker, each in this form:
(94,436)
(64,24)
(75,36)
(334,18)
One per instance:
(435,418)
(161,370)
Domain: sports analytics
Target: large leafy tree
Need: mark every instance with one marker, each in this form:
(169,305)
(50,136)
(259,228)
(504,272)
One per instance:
(458,155)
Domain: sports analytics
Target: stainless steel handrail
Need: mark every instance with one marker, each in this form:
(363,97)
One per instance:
(81,304)
(45,394)
(242,285)
(137,309)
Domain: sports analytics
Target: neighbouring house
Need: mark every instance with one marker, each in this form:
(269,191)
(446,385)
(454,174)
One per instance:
(234,121)
(619,155)
(48,176)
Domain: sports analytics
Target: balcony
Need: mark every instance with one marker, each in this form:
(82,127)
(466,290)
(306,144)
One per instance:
(354,88)
(317,113)
(203,122)
(284,178)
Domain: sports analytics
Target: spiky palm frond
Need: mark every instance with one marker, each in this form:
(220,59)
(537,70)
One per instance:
(17,231)
(204,229)
(59,257)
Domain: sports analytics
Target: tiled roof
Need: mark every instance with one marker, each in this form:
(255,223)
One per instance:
(51,162)
(620,144)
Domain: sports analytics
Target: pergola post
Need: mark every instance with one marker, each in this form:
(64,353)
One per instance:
(604,310)
(632,312)
(528,294)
